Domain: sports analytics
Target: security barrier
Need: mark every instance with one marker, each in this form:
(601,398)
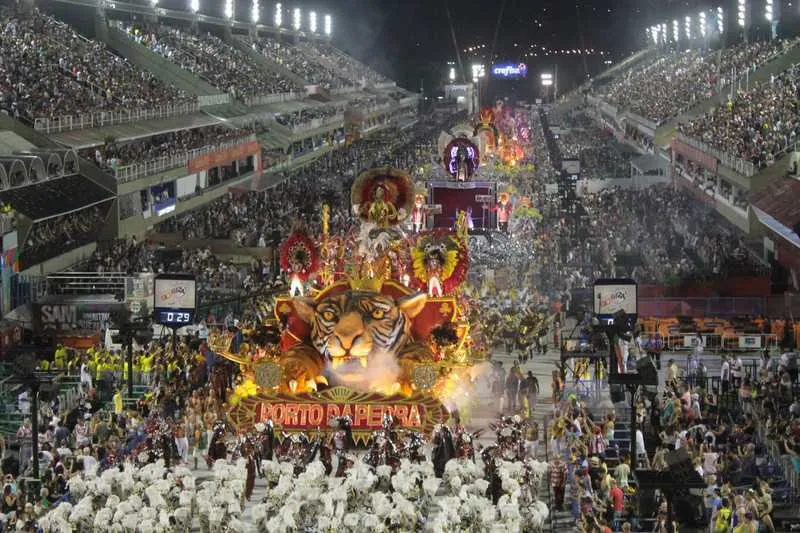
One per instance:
(110,118)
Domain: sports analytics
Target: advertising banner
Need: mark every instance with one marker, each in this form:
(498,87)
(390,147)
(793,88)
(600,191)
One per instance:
(611,296)
(175,293)
(223,157)
(82,316)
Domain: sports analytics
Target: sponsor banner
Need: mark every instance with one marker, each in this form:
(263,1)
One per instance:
(750,342)
(223,157)
(173,293)
(83,316)
(510,71)
(311,412)
(608,299)
(690,341)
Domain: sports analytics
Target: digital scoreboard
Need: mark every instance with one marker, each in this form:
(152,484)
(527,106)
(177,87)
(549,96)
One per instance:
(175,298)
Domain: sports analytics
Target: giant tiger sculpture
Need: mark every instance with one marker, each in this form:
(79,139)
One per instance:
(358,338)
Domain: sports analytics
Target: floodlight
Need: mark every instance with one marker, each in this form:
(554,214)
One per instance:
(702,18)
(312,21)
(452,75)
(255,14)
(229,9)
(194,5)
(687,26)
(297,19)
(153,3)
(720,20)
(328,25)
(676,30)
(769,12)
(278,19)
(741,14)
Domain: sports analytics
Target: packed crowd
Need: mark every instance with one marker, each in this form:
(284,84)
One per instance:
(600,155)
(669,85)
(295,58)
(48,70)
(757,125)
(64,232)
(307,115)
(348,67)
(211,58)
(114,154)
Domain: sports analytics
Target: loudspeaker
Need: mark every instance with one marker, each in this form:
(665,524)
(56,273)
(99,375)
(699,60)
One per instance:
(680,466)
(647,371)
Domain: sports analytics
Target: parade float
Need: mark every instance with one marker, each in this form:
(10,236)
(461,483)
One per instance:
(376,323)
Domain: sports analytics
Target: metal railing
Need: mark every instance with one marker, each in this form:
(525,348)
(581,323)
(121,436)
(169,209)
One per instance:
(266,99)
(385,85)
(745,168)
(169,162)
(110,118)
(86,283)
(409,100)
(318,123)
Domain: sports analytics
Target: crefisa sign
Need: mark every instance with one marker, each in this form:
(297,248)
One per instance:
(510,71)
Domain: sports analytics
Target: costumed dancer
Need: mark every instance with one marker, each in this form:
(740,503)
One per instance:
(296,281)
(342,442)
(418,213)
(503,209)
(434,268)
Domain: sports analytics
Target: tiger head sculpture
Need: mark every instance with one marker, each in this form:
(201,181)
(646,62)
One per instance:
(357,337)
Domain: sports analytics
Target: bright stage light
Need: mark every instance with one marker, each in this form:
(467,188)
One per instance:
(194,5)
(687,27)
(297,19)
(547,79)
(229,9)
(328,25)
(741,13)
(312,21)
(676,30)
(663,32)
(720,20)
(452,74)
(256,11)
(702,18)
(153,3)
(769,12)
(478,72)
(278,19)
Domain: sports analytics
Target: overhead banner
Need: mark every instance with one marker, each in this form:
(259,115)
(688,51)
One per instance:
(223,157)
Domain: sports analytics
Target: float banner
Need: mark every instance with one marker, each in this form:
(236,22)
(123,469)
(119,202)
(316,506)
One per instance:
(310,412)
(223,157)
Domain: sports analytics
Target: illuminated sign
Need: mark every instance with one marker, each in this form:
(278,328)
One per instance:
(175,299)
(510,71)
(612,295)
(307,412)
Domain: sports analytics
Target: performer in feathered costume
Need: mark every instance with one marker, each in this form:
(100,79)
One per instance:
(299,259)
(439,263)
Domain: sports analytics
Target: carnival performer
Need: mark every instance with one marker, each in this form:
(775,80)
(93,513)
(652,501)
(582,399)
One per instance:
(503,209)
(296,283)
(342,442)
(381,212)
(418,213)
(434,267)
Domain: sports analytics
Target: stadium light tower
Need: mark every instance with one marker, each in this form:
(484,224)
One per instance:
(769,10)
(312,21)
(687,27)
(676,31)
(663,33)
(328,25)
(229,9)
(297,19)
(278,18)
(702,22)
(194,5)
(153,3)
(452,75)
(255,14)
(720,20)
(741,13)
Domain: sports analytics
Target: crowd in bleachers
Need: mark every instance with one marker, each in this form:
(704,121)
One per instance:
(211,58)
(113,154)
(47,70)
(669,85)
(307,115)
(757,124)
(348,67)
(62,233)
(299,62)
(595,147)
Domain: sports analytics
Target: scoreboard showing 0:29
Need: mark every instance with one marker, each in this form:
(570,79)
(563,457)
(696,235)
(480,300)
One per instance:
(175,300)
